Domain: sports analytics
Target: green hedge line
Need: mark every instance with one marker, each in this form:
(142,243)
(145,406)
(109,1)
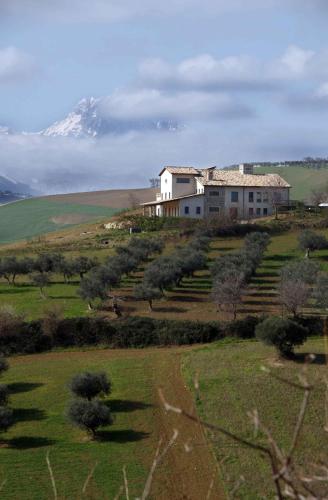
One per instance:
(35,337)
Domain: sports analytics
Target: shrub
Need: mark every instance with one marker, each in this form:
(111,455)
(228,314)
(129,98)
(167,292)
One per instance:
(242,328)
(4,395)
(89,385)
(6,418)
(281,333)
(4,365)
(89,415)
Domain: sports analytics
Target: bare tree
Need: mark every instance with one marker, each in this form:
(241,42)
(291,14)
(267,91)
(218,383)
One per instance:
(227,292)
(294,294)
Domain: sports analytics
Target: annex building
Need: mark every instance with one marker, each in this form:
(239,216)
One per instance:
(204,192)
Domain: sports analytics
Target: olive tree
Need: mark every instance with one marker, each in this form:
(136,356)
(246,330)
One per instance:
(88,415)
(41,280)
(89,385)
(143,291)
(6,418)
(227,292)
(309,241)
(283,334)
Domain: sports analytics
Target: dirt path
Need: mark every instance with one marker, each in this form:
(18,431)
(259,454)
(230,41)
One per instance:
(189,475)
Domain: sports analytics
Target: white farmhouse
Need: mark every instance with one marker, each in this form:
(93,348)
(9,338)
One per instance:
(204,192)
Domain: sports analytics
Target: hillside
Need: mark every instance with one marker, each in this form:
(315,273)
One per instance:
(36,216)
(302,179)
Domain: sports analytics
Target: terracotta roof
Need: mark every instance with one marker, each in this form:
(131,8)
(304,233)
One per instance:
(233,178)
(182,170)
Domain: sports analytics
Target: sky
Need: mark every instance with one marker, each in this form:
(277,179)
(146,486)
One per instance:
(247,81)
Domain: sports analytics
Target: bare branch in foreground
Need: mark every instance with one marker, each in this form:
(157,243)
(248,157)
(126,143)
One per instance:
(157,460)
(89,478)
(52,477)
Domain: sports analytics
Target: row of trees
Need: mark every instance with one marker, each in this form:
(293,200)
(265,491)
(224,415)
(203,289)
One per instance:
(98,282)
(168,271)
(231,272)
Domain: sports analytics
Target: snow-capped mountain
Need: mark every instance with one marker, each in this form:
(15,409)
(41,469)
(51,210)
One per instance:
(10,185)
(87,120)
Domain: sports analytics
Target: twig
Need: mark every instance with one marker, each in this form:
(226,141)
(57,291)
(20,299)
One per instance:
(2,484)
(52,477)
(120,491)
(158,458)
(126,486)
(88,478)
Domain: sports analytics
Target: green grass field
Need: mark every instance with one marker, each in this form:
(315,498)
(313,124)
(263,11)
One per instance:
(33,217)
(39,397)
(303,180)
(232,383)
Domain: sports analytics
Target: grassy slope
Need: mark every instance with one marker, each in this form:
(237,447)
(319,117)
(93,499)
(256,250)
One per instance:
(39,397)
(33,217)
(303,180)
(231,384)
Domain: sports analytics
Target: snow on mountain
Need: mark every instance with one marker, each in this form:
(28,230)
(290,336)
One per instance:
(87,120)
(10,185)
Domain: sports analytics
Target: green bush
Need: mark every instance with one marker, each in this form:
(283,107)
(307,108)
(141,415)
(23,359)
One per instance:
(281,333)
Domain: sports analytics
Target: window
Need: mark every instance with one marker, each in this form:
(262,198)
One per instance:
(234,196)
(259,197)
(165,181)
(251,197)
(265,197)
(214,209)
(265,211)
(251,211)
(258,211)
(186,210)
(183,180)
(214,193)
(198,210)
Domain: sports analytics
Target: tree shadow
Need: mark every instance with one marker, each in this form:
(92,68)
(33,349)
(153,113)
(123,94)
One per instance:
(14,290)
(168,308)
(123,436)
(26,442)
(28,414)
(278,257)
(262,294)
(17,387)
(320,359)
(261,302)
(186,298)
(265,274)
(126,405)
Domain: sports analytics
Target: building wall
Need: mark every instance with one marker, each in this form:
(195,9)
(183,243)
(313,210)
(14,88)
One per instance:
(166,185)
(192,204)
(172,188)
(264,200)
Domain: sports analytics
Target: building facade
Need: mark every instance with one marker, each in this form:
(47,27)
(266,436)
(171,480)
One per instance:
(201,193)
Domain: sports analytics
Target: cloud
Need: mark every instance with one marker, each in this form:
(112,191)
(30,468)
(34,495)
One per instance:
(241,72)
(15,65)
(117,10)
(152,104)
(67,165)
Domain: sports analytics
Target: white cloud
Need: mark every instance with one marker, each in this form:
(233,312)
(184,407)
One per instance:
(15,65)
(65,165)
(116,10)
(144,104)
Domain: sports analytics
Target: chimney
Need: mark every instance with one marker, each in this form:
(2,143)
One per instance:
(246,169)
(208,174)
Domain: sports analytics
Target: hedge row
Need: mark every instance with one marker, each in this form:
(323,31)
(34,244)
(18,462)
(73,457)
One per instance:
(34,337)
